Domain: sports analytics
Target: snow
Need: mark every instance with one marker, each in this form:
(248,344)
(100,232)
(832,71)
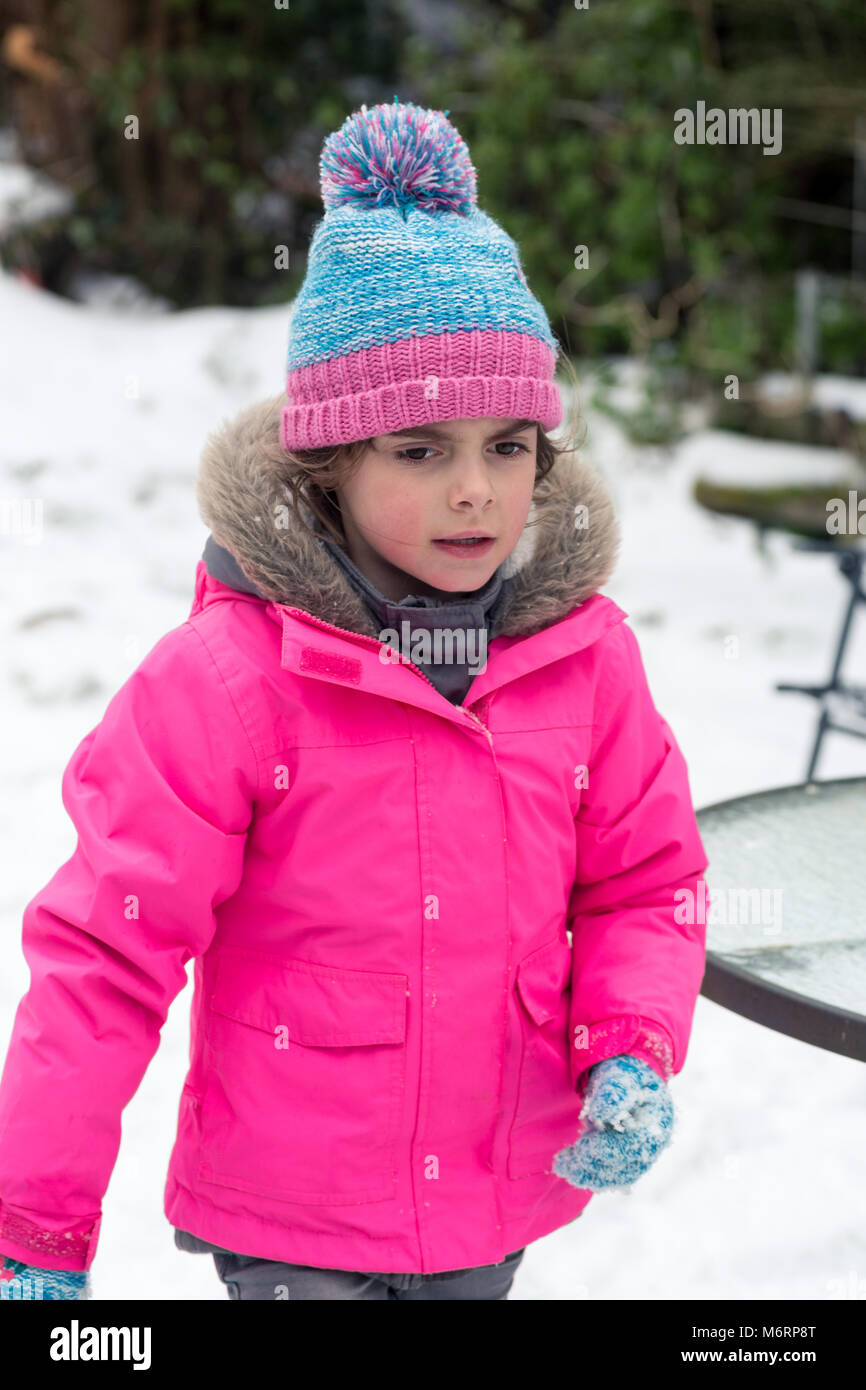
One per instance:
(26,196)
(105,412)
(735,460)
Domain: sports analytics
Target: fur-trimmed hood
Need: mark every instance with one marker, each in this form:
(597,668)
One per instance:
(563,556)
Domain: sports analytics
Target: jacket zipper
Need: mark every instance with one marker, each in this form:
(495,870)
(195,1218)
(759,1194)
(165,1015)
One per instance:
(371,641)
(479,722)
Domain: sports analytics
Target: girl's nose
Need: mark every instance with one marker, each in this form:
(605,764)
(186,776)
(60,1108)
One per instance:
(472,482)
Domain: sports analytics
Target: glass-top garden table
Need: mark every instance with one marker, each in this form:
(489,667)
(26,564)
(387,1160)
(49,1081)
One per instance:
(786,920)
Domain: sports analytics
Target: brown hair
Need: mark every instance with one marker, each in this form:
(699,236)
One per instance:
(314,474)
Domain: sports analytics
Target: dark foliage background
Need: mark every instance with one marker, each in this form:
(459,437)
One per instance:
(569,115)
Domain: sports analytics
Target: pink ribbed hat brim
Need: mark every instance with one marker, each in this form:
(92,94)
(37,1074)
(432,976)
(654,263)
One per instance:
(468,374)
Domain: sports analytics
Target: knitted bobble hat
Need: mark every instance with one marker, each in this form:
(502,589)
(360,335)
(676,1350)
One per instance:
(414,306)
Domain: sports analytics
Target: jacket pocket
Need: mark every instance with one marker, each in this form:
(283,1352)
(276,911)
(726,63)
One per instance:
(547,1114)
(305,1080)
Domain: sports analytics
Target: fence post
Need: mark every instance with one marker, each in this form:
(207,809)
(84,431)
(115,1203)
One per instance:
(858,221)
(808,288)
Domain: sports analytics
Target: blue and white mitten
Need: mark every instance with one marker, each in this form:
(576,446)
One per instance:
(631,1113)
(22,1281)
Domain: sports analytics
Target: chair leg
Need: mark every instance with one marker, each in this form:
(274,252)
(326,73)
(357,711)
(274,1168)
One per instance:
(816,747)
(851,565)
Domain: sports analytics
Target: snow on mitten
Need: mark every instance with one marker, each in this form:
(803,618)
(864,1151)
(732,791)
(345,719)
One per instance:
(22,1281)
(632,1114)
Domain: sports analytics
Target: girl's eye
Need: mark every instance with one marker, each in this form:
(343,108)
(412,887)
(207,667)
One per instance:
(418,449)
(426,449)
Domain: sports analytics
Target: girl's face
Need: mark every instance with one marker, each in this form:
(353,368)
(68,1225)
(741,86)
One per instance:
(416,487)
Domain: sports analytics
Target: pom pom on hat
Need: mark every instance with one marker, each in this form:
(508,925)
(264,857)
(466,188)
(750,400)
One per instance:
(400,155)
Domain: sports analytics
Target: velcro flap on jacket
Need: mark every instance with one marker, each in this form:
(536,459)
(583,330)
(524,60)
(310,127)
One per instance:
(323,1006)
(541,978)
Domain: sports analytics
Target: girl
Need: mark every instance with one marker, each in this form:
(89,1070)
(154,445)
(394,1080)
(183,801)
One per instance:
(398,785)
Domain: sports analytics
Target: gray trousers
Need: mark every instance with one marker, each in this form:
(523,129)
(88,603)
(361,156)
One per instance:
(249,1278)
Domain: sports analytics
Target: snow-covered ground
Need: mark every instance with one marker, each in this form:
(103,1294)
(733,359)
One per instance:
(104,415)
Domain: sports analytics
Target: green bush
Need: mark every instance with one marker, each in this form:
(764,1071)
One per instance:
(569,115)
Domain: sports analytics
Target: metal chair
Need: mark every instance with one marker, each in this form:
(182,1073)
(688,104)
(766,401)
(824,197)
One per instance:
(840,700)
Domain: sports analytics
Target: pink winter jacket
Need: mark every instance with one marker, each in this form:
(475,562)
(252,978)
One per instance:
(416,925)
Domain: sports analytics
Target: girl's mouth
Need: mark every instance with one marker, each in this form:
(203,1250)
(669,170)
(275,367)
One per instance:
(467,549)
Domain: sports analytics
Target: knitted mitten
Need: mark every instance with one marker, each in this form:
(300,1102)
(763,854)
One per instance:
(22,1281)
(632,1114)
